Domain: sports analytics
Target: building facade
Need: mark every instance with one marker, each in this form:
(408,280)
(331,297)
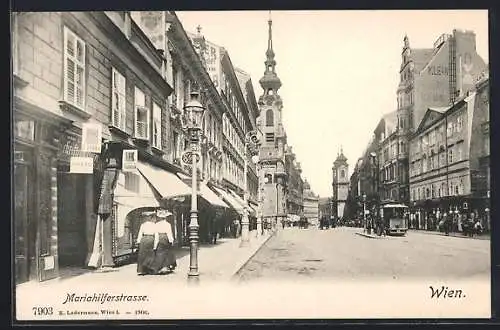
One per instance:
(449,161)
(295,184)
(429,77)
(272,148)
(325,206)
(340,184)
(87,86)
(311,204)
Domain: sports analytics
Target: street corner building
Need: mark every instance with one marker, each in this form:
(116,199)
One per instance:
(431,154)
(99,136)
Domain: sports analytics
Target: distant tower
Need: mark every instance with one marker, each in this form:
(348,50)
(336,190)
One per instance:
(271,152)
(340,184)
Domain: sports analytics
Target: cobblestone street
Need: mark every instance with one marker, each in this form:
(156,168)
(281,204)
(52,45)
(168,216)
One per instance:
(297,254)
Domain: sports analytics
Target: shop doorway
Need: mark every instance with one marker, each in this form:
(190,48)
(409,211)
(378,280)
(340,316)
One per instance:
(71,225)
(25,222)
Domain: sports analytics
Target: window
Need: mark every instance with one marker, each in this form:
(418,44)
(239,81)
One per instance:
(175,145)
(450,156)
(424,163)
(74,69)
(269,118)
(141,115)
(269,137)
(459,123)
(449,130)
(459,151)
(342,174)
(156,126)
(118,112)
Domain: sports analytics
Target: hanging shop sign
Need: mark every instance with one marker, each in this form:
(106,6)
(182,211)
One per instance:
(82,165)
(129,160)
(187,157)
(91,137)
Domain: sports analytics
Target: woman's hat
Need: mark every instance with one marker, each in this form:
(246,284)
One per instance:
(163,213)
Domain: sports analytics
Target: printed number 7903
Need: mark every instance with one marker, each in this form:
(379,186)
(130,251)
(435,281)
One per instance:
(42,311)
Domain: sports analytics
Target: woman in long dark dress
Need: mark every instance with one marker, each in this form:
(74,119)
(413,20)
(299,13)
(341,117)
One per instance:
(164,256)
(146,240)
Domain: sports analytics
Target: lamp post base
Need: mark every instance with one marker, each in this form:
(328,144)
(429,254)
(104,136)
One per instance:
(245,232)
(193,278)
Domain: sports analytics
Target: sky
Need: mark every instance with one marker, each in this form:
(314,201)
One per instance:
(339,69)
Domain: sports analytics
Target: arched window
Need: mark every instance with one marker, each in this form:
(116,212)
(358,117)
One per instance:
(269,118)
(342,174)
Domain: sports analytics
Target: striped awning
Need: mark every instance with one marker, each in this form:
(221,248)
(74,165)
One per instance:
(167,184)
(210,196)
(230,200)
(242,202)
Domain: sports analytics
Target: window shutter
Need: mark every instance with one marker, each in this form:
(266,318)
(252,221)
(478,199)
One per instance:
(123,111)
(115,113)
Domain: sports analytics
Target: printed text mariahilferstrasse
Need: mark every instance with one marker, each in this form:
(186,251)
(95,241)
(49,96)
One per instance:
(102,298)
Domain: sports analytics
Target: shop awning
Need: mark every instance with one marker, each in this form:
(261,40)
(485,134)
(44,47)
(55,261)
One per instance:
(210,196)
(143,197)
(242,202)
(230,200)
(167,184)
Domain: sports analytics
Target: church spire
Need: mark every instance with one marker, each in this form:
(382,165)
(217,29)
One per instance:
(270,80)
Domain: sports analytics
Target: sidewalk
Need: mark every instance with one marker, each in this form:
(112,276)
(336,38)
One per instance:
(218,262)
(460,235)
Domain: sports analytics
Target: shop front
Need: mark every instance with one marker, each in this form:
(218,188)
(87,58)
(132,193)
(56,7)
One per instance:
(132,191)
(36,134)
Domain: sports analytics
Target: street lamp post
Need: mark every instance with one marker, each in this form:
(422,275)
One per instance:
(255,160)
(251,138)
(194,110)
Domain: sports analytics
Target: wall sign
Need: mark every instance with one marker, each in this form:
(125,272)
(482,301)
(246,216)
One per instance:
(83,165)
(129,160)
(91,137)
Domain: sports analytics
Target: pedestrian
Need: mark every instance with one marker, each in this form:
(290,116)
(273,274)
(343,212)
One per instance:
(164,260)
(145,241)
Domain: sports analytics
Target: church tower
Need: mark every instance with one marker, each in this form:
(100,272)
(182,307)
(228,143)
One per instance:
(340,184)
(271,153)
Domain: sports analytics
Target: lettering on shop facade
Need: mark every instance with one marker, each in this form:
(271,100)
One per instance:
(438,70)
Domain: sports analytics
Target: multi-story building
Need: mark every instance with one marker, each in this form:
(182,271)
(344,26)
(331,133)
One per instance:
(295,184)
(89,87)
(311,201)
(272,149)
(449,160)
(340,184)
(430,77)
(325,206)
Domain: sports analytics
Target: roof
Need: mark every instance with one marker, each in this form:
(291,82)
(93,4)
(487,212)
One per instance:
(420,57)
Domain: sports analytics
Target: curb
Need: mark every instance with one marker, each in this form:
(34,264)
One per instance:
(245,260)
(424,232)
(370,236)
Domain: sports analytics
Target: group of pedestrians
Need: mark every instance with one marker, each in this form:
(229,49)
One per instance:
(154,240)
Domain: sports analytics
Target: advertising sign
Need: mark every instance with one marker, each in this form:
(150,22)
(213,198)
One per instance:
(91,137)
(129,160)
(82,165)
